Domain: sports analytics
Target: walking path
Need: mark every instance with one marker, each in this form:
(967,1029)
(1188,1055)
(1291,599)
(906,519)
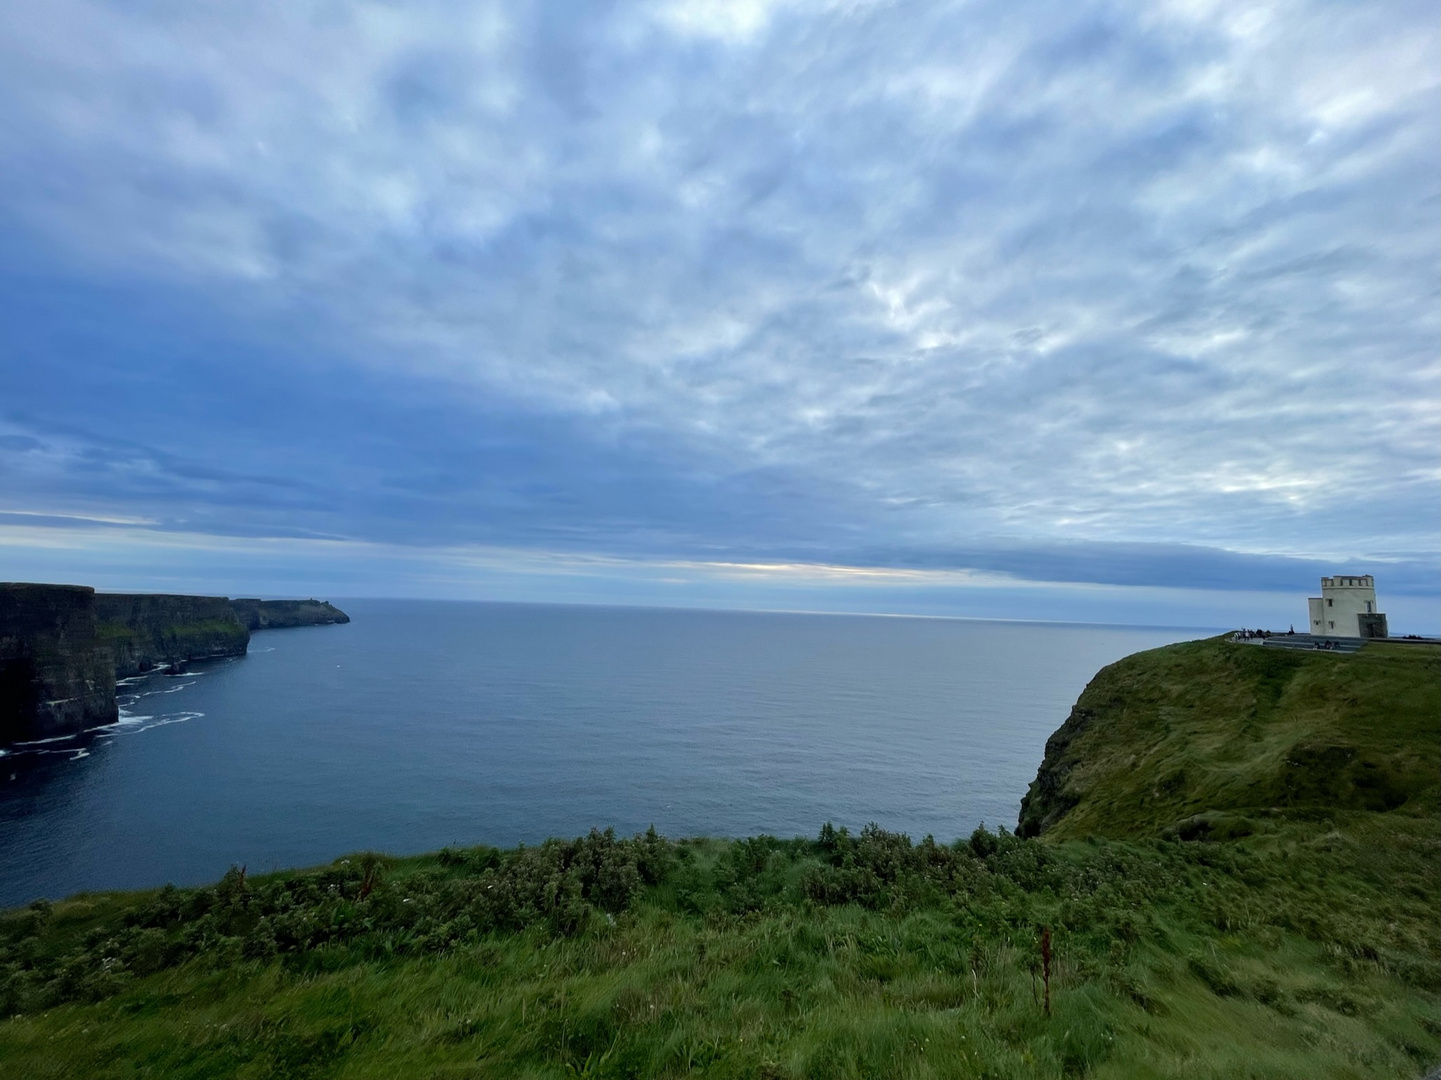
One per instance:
(1328,643)
(1298,641)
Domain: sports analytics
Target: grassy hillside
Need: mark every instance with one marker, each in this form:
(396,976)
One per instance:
(1309,948)
(1214,735)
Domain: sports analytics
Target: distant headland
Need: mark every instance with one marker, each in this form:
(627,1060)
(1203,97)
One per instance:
(63,647)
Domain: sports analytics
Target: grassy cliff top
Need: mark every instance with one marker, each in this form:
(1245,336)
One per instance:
(1218,738)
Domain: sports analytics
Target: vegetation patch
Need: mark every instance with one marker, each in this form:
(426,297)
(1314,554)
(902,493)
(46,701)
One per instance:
(1311,950)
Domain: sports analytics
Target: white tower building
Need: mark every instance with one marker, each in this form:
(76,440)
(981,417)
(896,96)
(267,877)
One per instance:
(1347,608)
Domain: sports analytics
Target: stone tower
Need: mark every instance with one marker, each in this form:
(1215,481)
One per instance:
(1347,608)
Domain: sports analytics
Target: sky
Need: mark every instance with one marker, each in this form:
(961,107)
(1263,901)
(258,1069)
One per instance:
(1109,312)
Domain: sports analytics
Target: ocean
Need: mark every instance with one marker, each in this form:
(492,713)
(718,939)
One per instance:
(422,723)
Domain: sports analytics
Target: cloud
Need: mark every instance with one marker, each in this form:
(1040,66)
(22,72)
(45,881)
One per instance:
(855,283)
(118,558)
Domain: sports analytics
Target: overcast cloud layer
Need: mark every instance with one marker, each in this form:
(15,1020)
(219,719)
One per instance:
(1134,294)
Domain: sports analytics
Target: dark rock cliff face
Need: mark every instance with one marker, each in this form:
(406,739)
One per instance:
(277,614)
(1047,801)
(147,630)
(57,677)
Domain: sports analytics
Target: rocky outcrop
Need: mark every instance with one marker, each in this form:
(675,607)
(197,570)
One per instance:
(147,630)
(1048,799)
(57,676)
(277,614)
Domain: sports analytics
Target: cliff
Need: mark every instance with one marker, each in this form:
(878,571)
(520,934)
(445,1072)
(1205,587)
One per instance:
(278,614)
(62,647)
(145,631)
(1209,738)
(56,674)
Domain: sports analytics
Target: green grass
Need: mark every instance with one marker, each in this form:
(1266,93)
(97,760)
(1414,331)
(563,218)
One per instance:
(1309,952)
(1307,948)
(112,631)
(200,630)
(1212,734)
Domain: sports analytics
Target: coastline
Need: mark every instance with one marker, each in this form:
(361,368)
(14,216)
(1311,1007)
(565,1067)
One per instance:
(858,952)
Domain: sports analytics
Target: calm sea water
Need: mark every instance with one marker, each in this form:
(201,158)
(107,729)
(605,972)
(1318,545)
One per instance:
(421,724)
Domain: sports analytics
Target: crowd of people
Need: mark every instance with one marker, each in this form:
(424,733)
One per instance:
(1261,635)
(1253,635)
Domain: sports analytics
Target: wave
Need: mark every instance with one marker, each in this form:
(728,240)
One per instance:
(42,742)
(135,725)
(126,723)
(126,700)
(34,750)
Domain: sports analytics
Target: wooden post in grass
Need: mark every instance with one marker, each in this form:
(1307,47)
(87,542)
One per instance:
(370,864)
(1046,966)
